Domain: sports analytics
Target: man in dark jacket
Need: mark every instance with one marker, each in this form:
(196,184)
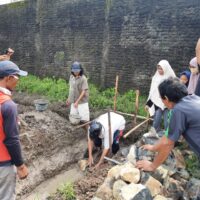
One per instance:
(10,149)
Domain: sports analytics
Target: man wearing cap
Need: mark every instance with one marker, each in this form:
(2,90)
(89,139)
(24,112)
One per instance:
(99,134)
(78,93)
(10,149)
(8,53)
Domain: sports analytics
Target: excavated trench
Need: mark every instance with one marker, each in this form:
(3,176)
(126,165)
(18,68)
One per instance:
(51,147)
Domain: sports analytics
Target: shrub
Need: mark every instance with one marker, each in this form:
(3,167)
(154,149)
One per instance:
(67,191)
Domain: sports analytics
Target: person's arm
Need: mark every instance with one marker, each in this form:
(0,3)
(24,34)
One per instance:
(3,57)
(156,147)
(90,147)
(166,143)
(80,97)
(9,113)
(163,148)
(104,153)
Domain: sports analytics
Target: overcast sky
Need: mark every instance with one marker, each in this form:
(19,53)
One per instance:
(7,1)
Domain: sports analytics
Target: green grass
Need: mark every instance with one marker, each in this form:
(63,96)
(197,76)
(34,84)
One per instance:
(57,90)
(67,191)
(53,89)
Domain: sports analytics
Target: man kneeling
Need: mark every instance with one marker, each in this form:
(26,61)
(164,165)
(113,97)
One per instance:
(99,133)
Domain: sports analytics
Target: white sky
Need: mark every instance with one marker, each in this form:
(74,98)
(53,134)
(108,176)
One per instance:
(7,1)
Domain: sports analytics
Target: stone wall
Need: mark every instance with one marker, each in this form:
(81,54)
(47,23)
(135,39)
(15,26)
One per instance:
(109,37)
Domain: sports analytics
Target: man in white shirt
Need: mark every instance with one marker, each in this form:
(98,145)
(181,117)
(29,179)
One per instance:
(99,133)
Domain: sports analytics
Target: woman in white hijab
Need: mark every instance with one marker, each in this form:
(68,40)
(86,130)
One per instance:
(154,103)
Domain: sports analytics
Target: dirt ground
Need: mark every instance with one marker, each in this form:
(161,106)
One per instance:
(50,144)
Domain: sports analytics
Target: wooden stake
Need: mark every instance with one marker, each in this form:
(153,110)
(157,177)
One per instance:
(110,133)
(132,115)
(116,91)
(135,128)
(148,117)
(82,125)
(137,93)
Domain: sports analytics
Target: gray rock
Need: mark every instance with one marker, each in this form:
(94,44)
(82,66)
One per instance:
(161,174)
(181,173)
(174,188)
(132,156)
(124,151)
(104,192)
(193,189)
(154,186)
(130,174)
(96,198)
(117,188)
(159,197)
(135,192)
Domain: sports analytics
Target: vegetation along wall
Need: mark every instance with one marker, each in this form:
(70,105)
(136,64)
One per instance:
(109,37)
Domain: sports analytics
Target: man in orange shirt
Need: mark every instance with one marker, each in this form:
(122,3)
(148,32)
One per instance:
(11,159)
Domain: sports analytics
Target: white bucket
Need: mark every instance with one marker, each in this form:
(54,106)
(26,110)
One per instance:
(74,119)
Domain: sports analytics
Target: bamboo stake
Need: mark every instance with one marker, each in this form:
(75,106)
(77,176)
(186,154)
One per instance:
(109,128)
(135,128)
(137,93)
(132,115)
(82,125)
(116,91)
(148,117)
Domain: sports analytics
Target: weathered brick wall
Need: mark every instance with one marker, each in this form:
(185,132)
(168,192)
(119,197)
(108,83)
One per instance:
(125,37)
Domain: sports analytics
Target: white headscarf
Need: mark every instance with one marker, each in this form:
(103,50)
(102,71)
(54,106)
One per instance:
(154,94)
(193,77)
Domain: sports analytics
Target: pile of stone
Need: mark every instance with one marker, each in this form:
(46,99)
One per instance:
(170,181)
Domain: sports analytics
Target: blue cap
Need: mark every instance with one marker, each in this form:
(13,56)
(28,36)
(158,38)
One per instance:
(76,67)
(9,68)
(186,73)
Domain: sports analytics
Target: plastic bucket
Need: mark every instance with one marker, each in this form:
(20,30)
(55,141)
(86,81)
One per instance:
(41,104)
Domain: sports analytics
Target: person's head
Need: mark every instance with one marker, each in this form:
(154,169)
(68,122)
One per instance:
(160,70)
(172,91)
(163,66)
(9,74)
(9,51)
(94,133)
(194,66)
(76,69)
(185,77)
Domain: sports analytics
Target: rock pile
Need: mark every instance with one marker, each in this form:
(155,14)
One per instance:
(170,181)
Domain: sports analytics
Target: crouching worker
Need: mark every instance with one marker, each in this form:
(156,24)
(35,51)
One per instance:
(99,134)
